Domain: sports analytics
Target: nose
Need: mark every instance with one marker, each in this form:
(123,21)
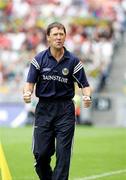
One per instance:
(58,36)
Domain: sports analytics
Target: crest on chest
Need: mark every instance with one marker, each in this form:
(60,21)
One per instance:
(65,71)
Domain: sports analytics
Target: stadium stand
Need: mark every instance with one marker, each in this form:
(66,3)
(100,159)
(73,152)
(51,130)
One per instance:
(93,29)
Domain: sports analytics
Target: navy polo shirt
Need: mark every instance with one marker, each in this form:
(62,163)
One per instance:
(54,79)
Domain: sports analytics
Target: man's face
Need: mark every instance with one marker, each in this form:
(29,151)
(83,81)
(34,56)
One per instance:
(56,38)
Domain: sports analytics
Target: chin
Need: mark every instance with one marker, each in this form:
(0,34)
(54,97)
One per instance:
(59,47)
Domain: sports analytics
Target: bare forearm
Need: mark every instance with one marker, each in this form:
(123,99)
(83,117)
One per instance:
(29,87)
(27,92)
(86,91)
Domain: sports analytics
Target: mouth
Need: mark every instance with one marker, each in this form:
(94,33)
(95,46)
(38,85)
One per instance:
(58,42)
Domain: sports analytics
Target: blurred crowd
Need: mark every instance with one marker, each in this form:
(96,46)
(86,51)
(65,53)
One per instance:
(94,30)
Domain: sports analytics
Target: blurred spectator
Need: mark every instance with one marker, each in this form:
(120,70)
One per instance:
(1,73)
(5,42)
(90,35)
(77,101)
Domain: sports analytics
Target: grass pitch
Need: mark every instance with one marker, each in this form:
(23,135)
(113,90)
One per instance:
(96,151)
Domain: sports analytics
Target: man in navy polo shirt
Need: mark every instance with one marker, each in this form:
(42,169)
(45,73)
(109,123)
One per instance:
(54,72)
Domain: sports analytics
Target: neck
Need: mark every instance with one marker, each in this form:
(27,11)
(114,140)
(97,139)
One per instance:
(57,53)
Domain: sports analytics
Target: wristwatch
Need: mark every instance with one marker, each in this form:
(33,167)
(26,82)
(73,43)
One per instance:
(85,97)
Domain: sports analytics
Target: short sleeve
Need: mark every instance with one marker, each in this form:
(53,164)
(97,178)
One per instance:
(79,74)
(33,70)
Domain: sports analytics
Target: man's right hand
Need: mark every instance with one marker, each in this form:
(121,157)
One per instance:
(27,96)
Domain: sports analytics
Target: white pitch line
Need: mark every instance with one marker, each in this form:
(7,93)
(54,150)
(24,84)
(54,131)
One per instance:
(98,176)
(84,178)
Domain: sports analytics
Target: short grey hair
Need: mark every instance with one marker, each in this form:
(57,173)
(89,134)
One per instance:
(55,24)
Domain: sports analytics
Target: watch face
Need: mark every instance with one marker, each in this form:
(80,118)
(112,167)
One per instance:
(65,71)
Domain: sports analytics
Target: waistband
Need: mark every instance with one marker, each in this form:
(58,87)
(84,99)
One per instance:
(58,99)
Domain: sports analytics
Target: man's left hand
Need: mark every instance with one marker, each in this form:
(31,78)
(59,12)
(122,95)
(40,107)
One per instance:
(87,101)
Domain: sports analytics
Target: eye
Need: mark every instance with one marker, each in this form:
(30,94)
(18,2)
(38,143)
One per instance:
(61,34)
(56,34)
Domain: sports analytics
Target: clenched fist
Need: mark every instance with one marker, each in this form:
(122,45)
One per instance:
(27,96)
(87,101)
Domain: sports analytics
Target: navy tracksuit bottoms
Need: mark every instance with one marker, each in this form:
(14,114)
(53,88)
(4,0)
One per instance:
(53,132)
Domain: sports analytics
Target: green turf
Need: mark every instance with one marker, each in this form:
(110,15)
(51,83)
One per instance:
(96,151)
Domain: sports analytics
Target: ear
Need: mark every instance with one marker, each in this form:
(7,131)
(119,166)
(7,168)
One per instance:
(48,38)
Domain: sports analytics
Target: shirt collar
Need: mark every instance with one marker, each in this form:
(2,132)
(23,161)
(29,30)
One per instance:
(65,56)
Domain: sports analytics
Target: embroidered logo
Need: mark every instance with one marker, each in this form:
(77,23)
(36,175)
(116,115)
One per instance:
(65,71)
(46,69)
